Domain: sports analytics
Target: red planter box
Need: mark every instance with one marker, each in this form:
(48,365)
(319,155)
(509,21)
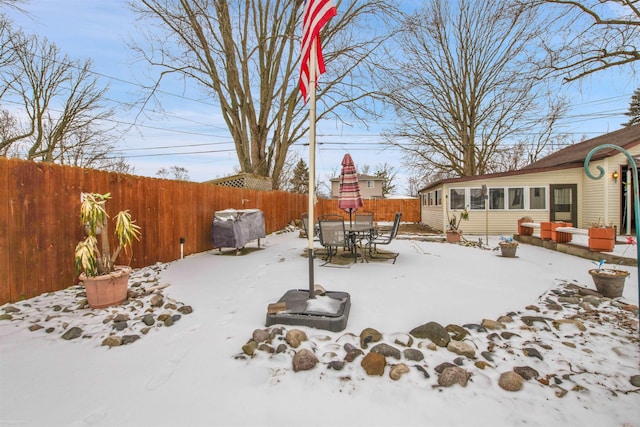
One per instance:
(558,236)
(602,239)
(524,231)
(545,230)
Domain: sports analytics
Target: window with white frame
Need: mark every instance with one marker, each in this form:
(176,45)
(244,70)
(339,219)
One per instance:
(496,198)
(438,197)
(371,184)
(476,199)
(457,198)
(537,198)
(516,198)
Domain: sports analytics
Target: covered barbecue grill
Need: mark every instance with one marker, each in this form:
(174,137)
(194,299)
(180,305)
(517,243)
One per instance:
(234,228)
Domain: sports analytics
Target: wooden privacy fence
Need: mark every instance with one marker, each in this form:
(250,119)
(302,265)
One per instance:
(39,219)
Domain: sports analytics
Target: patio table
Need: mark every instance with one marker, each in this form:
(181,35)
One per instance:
(356,233)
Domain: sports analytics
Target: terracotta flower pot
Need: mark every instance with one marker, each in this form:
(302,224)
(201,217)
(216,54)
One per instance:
(453,236)
(609,282)
(107,290)
(602,239)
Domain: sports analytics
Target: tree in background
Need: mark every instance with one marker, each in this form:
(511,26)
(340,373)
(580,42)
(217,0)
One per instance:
(388,174)
(634,109)
(174,172)
(300,180)
(245,55)
(588,36)
(467,86)
(62,112)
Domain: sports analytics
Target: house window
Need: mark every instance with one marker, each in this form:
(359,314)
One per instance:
(476,198)
(438,197)
(496,198)
(457,198)
(371,184)
(516,198)
(430,199)
(537,198)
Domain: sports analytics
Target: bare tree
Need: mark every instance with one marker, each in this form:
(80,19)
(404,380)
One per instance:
(388,174)
(174,172)
(588,36)
(64,106)
(245,53)
(466,88)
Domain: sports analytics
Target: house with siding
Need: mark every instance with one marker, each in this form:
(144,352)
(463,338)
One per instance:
(555,188)
(370,187)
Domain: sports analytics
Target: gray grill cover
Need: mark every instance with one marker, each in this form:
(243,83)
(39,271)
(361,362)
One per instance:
(233,228)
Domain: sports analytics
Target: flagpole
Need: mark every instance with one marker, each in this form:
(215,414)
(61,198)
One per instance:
(312,163)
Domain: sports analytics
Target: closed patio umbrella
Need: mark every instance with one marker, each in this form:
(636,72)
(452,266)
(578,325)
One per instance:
(349,198)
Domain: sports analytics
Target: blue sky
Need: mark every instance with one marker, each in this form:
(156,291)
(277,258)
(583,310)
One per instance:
(99,30)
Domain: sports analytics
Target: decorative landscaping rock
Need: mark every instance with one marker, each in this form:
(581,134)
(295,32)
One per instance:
(510,381)
(112,341)
(353,354)
(397,371)
(295,337)
(250,348)
(413,354)
(387,350)
(72,333)
(526,372)
(457,332)
(128,339)
(261,335)
(532,352)
(433,331)
(304,360)
(374,363)
(453,375)
(369,335)
(492,324)
(462,348)
(404,340)
(441,367)
(635,380)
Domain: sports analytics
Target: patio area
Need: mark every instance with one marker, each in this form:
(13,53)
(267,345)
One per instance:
(195,372)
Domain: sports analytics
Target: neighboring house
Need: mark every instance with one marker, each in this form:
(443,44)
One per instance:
(555,188)
(370,187)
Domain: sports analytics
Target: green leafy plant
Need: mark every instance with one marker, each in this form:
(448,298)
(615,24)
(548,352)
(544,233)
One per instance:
(454,221)
(97,259)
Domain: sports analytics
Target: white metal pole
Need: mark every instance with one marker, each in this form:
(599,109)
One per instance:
(312,162)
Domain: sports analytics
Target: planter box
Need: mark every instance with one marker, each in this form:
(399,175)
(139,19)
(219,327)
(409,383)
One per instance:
(558,236)
(524,231)
(545,230)
(602,239)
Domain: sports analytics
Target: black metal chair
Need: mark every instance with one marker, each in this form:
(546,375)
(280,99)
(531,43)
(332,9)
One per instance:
(305,225)
(385,238)
(332,234)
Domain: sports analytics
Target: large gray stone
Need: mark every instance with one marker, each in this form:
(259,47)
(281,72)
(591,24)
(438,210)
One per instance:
(433,331)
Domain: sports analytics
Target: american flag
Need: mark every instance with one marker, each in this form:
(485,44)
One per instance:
(315,15)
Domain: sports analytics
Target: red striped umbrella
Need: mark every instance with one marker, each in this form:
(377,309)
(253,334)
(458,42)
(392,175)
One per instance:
(349,199)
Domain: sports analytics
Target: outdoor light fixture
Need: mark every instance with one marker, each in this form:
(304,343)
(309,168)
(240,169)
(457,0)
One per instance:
(615,176)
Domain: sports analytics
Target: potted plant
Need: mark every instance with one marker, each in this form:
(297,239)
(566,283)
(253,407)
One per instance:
(610,281)
(508,247)
(106,284)
(601,238)
(454,233)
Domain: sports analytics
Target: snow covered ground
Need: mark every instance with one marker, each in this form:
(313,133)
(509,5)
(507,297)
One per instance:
(192,371)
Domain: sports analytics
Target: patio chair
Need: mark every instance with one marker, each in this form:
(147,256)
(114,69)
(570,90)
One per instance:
(365,218)
(332,234)
(385,238)
(305,225)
